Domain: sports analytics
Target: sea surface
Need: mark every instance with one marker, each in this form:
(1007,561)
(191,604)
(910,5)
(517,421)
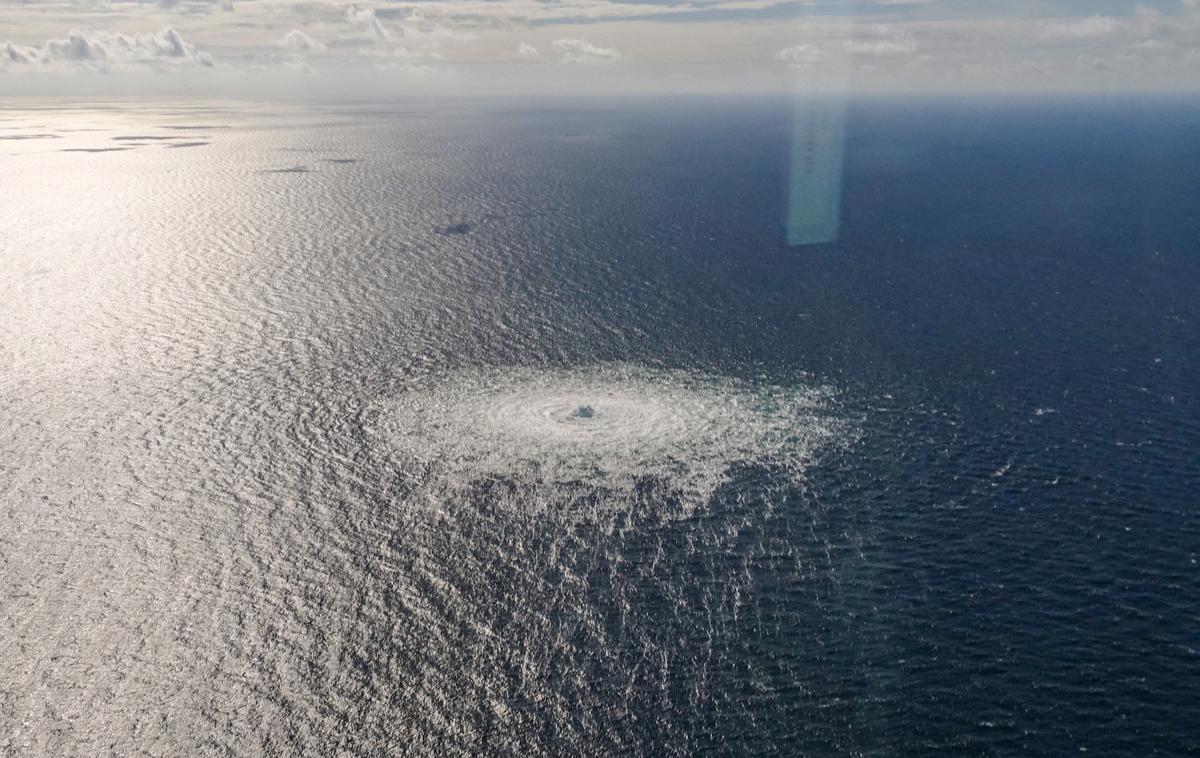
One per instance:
(519,429)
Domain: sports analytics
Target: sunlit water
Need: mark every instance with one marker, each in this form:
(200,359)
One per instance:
(519,430)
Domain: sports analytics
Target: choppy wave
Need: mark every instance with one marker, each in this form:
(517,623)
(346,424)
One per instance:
(616,430)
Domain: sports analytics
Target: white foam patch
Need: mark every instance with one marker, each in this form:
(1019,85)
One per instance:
(610,429)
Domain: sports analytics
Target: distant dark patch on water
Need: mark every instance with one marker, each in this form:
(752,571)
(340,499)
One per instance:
(341,160)
(97,149)
(130,137)
(187,144)
(29,136)
(186,127)
(459,228)
(289,170)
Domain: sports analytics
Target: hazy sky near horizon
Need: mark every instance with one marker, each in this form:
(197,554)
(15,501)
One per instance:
(335,47)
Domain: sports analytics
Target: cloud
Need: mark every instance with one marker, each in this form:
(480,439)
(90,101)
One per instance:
(100,50)
(182,6)
(800,57)
(725,45)
(879,48)
(11,52)
(365,18)
(299,42)
(582,51)
(407,68)
(1091,28)
(417,29)
(882,41)
(398,52)
(409,34)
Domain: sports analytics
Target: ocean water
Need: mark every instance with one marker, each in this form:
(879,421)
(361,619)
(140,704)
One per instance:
(520,429)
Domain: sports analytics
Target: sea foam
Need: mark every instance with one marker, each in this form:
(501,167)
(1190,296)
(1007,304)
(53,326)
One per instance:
(611,429)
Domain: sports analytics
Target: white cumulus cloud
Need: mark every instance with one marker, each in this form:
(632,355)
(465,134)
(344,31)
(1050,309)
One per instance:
(582,51)
(800,57)
(365,18)
(528,51)
(298,41)
(101,50)
(11,52)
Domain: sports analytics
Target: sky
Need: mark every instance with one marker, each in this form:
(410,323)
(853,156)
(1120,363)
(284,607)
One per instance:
(337,48)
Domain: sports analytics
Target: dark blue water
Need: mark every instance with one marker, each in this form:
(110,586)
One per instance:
(217,550)
(1020,279)
(1015,289)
